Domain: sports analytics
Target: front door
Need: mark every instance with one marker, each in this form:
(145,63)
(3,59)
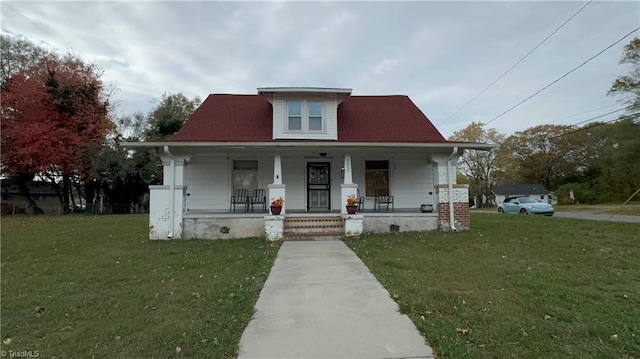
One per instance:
(318,187)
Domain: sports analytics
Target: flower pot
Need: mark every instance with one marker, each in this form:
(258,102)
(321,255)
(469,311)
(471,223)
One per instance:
(426,208)
(352,209)
(276,210)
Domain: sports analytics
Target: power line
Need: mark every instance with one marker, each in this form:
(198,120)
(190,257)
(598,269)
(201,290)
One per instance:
(608,113)
(563,76)
(516,64)
(582,113)
(596,124)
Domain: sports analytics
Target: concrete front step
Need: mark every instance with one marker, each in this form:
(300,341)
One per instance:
(310,228)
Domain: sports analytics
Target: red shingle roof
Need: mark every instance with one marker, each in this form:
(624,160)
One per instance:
(229,118)
(384,119)
(248,118)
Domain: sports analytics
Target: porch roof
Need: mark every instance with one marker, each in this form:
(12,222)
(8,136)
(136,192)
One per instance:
(311,145)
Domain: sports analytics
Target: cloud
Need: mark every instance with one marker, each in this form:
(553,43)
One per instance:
(441,54)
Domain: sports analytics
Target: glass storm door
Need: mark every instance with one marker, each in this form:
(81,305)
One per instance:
(318,187)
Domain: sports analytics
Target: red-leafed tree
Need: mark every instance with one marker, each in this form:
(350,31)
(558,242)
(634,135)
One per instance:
(54,116)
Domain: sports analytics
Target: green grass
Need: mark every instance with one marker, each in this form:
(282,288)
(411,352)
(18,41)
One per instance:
(79,286)
(630,209)
(517,286)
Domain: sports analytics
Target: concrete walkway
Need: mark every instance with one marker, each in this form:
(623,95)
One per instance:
(320,301)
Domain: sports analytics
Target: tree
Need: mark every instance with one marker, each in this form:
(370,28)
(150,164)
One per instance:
(125,175)
(54,117)
(478,166)
(617,164)
(18,56)
(545,154)
(169,115)
(629,85)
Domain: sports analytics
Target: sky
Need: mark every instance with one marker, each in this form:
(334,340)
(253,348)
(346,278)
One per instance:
(440,54)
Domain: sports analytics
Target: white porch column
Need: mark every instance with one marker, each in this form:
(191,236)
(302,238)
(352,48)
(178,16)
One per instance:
(167,201)
(277,188)
(348,188)
(277,169)
(348,172)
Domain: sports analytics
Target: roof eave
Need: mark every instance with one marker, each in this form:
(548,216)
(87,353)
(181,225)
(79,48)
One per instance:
(275,144)
(305,90)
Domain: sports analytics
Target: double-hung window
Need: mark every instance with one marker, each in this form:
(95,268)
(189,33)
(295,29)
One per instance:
(376,178)
(295,115)
(305,116)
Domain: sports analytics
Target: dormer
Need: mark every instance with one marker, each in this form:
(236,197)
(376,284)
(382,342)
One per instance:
(305,113)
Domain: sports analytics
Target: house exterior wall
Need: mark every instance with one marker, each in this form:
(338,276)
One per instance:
(413,181)
(224,226)
(204,181)
(400,223)
(208,180)
(330,117)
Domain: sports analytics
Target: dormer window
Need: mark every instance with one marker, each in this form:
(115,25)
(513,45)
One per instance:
(305,116)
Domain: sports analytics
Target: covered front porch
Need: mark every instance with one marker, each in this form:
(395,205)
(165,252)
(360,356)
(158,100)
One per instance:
(202,183)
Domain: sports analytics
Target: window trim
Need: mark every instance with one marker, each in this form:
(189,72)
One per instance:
(231,166)
(305,115)
(389,175)
(301,116)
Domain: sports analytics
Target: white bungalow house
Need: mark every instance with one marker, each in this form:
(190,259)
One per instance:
(313,147)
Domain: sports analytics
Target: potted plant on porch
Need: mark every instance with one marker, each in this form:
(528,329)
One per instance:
(276,205)
(352,204)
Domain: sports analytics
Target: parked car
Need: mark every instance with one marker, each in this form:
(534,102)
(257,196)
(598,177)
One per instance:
(525,205)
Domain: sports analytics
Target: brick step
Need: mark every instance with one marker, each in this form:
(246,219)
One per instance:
(314,226)
(313,229)
(305,221)
(335,236)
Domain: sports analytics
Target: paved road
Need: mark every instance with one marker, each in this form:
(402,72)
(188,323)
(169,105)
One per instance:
(581,215)
(598,217)
(321,301)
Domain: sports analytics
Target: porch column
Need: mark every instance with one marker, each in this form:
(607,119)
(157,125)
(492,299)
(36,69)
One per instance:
(453,199)
(348,188)
(167,201)
(277,188)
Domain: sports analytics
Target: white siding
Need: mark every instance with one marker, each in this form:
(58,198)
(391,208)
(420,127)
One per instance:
(208,183)
(279,113)
(412,182)
(330,117)
(293,175)
(208,179)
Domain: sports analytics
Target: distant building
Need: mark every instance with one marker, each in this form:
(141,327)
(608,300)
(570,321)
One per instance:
(43,193)
(536,191)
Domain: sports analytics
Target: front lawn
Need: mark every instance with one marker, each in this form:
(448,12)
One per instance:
(517,286)
(80,286)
